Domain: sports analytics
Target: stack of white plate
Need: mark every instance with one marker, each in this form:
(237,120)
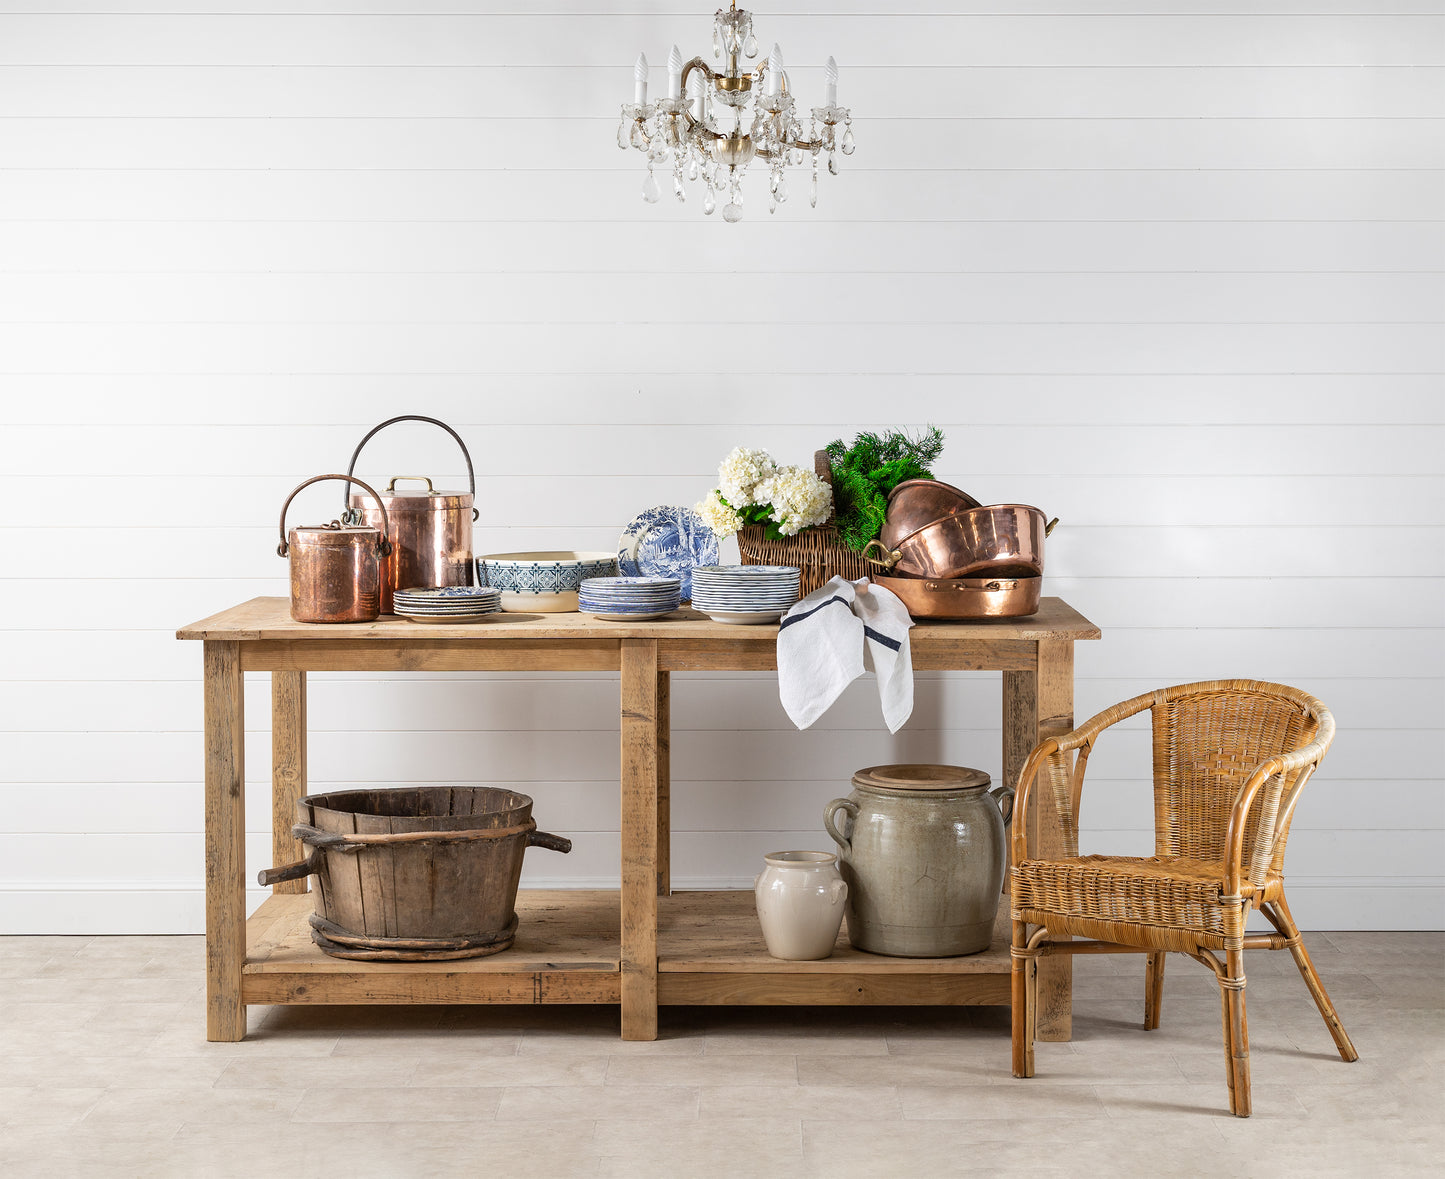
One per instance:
(447,603)
(745,594)
(629,599)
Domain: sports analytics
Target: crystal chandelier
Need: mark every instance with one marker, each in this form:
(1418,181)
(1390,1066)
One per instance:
(682,130)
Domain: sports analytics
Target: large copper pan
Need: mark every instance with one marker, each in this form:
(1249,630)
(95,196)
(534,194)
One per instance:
(1001,540)
(916,502)
(973,597)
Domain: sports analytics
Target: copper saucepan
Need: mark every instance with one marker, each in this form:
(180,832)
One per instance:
(1001,540)
(917,502)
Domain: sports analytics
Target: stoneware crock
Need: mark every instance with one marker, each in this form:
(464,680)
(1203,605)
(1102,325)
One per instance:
(922,850)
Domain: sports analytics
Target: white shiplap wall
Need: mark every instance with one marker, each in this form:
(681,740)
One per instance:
(1170,272)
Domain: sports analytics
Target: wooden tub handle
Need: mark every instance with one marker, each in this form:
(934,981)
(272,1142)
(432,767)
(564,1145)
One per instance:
(296,871)
(556,843)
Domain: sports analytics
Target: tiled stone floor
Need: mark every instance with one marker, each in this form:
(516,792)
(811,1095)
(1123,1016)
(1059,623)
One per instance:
(106,1072)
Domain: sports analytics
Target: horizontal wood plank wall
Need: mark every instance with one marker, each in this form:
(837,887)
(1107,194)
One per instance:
(1173,275)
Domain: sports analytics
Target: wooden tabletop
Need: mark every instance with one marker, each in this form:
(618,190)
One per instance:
(269,619)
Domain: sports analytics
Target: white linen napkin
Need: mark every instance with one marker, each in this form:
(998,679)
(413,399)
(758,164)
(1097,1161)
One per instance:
(835,634)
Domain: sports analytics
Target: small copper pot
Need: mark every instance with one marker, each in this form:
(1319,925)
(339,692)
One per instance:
(1002,540)
(431,531)
(917,502)
(336,567)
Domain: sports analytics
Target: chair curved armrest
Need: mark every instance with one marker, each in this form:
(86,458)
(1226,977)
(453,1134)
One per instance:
(1083,736)
(1284,763)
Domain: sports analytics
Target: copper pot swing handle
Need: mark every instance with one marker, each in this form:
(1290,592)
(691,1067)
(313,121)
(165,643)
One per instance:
(1051,525)
(890,557)
(416,417)
(383,546)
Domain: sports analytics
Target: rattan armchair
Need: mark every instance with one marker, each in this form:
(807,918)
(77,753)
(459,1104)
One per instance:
(1230,760)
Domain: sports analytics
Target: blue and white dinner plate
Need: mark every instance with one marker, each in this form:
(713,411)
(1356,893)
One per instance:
(447,593)
(666,541)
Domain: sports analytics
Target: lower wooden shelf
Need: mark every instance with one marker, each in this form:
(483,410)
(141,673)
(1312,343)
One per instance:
(710,952)
(567,951)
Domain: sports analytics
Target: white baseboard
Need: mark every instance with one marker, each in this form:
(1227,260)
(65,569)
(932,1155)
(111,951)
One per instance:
(165,907)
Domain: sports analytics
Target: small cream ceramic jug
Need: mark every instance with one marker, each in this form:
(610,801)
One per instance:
(800,897)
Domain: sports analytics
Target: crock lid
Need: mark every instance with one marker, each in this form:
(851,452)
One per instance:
(914,778)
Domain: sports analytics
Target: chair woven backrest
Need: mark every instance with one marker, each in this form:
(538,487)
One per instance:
(1208,739)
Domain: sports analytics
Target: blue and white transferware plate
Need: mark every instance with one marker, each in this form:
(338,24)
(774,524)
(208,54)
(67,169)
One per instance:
(667,542)
(447,592)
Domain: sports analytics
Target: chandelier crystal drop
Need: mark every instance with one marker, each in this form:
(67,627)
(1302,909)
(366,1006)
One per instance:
(713,124)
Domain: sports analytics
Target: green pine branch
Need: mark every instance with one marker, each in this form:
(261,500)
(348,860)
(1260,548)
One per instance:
(865,472)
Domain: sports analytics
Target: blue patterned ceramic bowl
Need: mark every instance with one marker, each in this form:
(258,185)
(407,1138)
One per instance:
(544,582)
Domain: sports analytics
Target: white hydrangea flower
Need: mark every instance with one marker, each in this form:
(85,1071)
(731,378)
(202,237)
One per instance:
(740,474)
(718,516)
(799,499)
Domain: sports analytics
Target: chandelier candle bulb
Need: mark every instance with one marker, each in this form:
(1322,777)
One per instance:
(775,72)
(697,96)
(639,78)
(674,73)
(830,93)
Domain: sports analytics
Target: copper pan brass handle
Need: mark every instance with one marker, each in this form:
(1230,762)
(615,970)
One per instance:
(430,490)
(1051,525)
(416,417)
(890,557)
(383,546)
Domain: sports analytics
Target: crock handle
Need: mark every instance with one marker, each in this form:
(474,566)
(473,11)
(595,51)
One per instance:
(383,546)
(416,417)
(841,804)
(1004,796)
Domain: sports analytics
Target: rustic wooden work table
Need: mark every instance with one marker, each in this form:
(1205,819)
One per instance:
(637,948)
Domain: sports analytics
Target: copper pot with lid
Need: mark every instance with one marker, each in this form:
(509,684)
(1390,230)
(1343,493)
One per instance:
(336,567)
(431,529)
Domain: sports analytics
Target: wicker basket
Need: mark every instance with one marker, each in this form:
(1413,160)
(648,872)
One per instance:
(816,551)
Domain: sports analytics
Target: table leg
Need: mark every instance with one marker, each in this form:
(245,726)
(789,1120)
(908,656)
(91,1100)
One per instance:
(1039,704)
(664,783)
(288,769)
(641,717)
(225,725)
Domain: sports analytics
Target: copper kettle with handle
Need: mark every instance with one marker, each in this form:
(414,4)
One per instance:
(335,568)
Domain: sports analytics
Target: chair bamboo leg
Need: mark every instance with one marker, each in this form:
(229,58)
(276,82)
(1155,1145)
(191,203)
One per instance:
(1021,1019)
(1153,990)
(1236,1033)
(1285,923)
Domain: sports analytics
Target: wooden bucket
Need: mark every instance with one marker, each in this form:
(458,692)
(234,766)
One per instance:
(414,874)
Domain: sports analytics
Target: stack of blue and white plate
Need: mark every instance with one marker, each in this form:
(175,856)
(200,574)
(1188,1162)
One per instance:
(745,594)
(447,603)
(629,599)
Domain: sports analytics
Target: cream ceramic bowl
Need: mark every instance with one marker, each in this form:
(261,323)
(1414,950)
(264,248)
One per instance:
(542,582)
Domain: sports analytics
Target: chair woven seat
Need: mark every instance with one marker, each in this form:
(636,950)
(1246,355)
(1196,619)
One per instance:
(1230,758)
(1080,895)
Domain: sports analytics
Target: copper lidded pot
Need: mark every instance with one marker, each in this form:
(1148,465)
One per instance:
(336,567)
(431,530)
(1001,540)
